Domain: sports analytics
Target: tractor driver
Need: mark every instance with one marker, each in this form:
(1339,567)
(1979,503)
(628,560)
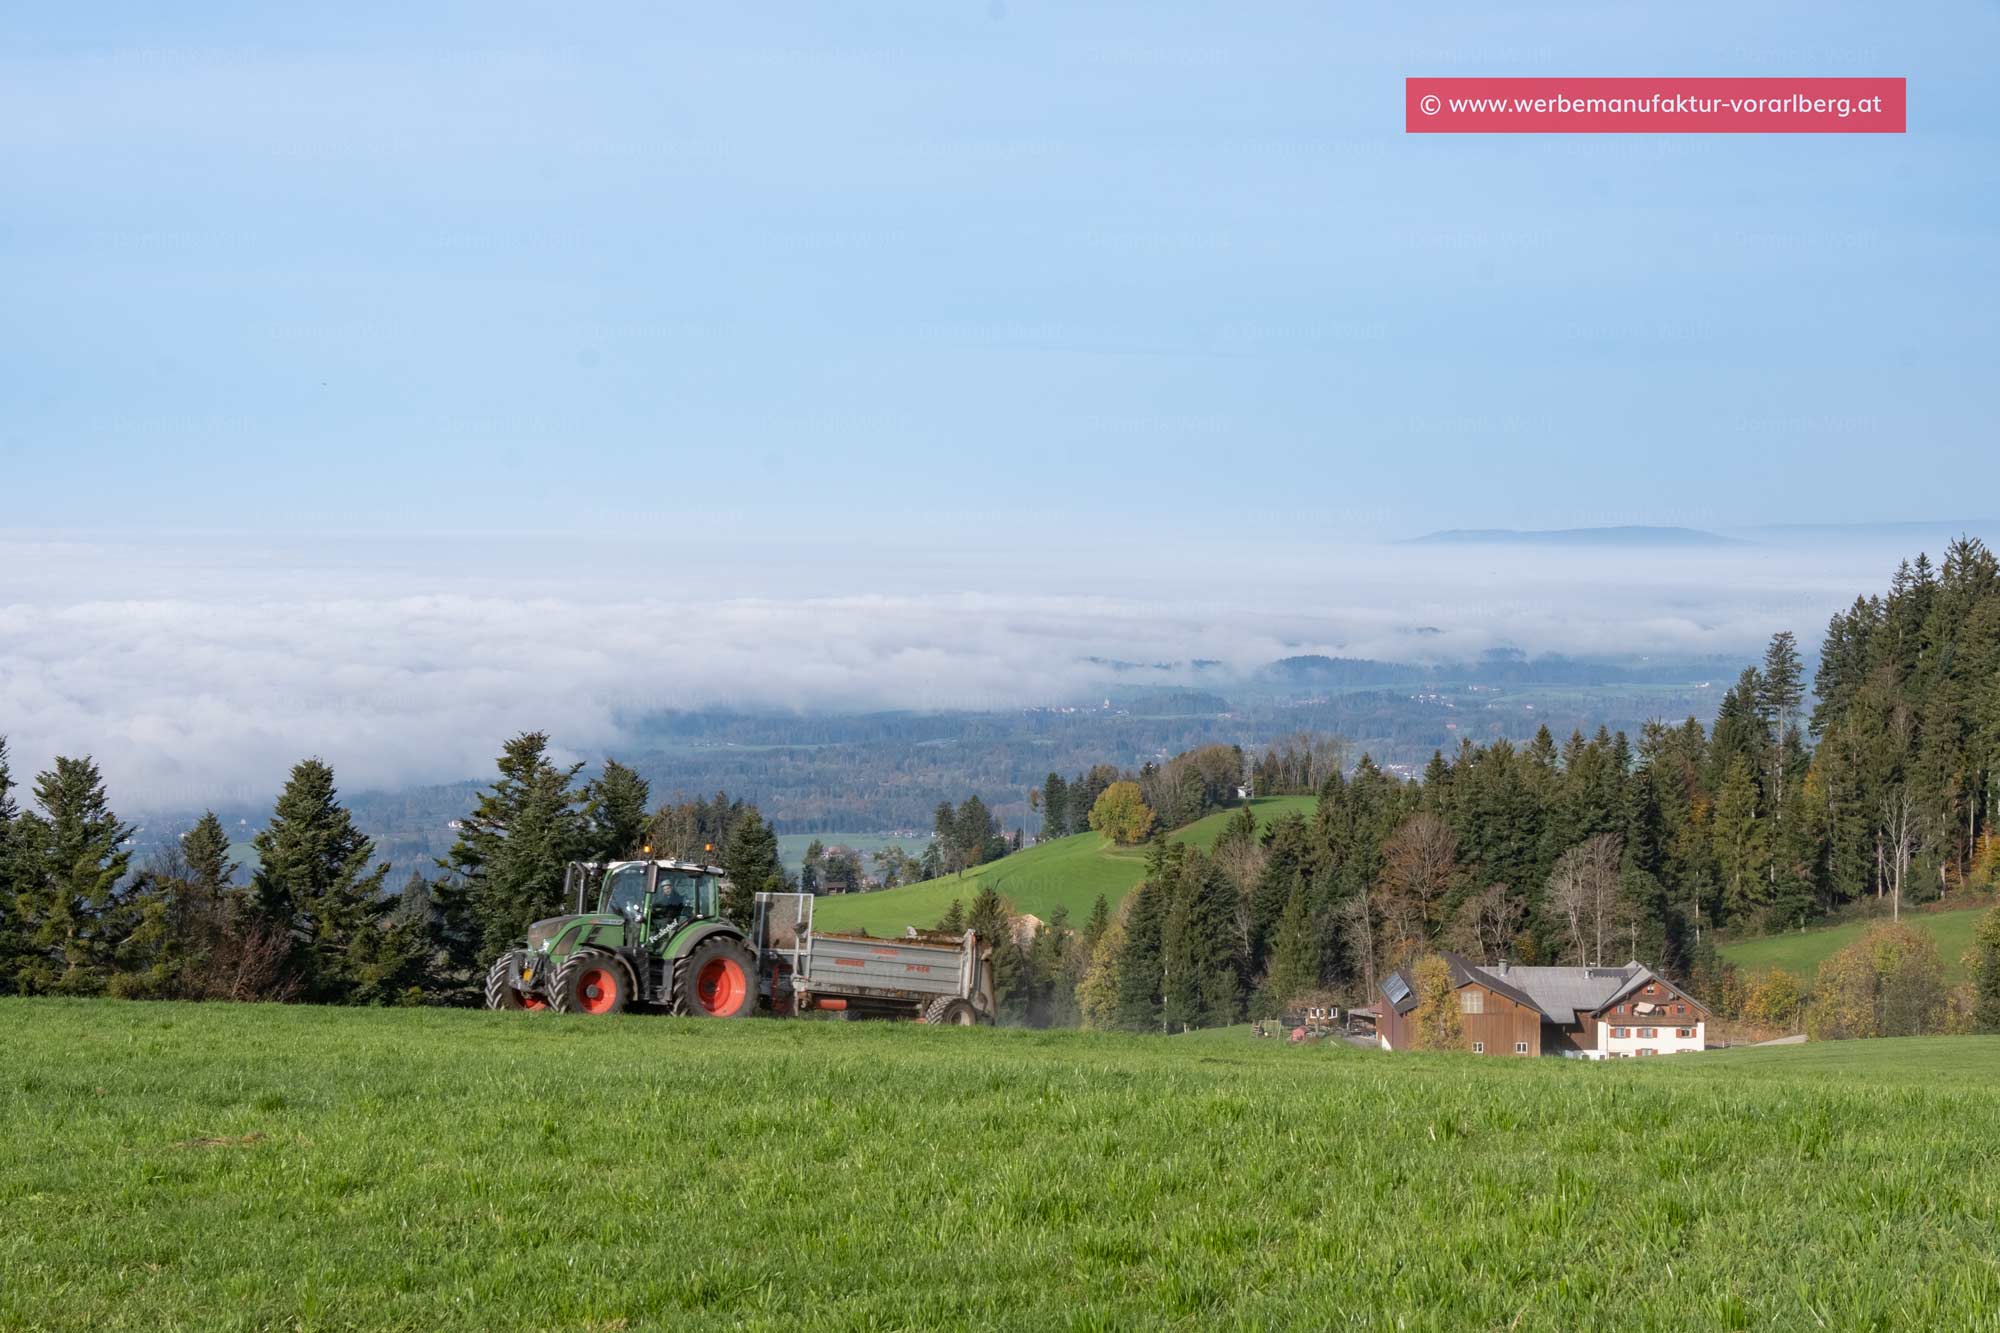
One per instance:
(671,904)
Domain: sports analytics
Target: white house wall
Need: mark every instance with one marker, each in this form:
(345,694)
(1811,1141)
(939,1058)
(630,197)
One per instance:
(1667,1042)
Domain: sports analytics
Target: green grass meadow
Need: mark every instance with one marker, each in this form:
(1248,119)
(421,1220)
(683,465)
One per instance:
(1801,952)
(253,1167)
(1067,872)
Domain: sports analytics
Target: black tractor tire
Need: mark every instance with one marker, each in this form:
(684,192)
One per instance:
(951,1012)
(717,979)
(501,993)
(589,982)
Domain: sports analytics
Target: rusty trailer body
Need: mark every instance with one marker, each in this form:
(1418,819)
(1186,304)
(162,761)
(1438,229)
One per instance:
(927,976)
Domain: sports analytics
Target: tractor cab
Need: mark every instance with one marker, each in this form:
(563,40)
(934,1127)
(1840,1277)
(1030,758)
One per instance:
(656,898)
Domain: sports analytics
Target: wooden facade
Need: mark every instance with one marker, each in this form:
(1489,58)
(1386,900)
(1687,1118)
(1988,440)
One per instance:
(1494,1024)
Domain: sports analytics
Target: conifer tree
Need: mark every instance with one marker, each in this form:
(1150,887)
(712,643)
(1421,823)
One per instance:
(9,817)
(988,918)
(184,906)
(1097,990)
(1136,997)
(69,859)
(511,852)
(1055,807)
(753,867)
(953,920)
(314,878)
(1201,949)
(619,802)
(1295,958)
(1097,923)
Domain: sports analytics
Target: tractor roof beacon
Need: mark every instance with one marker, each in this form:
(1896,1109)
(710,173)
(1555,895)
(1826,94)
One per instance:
(657,938)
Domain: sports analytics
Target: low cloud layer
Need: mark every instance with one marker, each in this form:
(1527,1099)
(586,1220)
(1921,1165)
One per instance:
(198,671)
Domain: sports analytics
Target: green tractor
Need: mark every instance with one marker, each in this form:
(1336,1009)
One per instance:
(657,940)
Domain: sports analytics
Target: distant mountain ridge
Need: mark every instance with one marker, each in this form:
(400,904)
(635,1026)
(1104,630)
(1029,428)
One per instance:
(1631,535)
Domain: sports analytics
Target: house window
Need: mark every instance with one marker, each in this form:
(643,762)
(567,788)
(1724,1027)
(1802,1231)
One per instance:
(1479,1048)
(1652,990)
(1621,1032)
(1649,1032)
(1683,1032)
(1520,1048)
(1472,1000)
(1680,1008)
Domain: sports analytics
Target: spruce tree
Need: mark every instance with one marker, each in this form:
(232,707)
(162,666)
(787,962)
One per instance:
(1201,949)
(1055,807)
(10,814)
(752,866)
(1295,957)
(619,802)
(314,878)
(953,920)
(511,853)
(1136,997)
(69,858)
(1096,924)
(988,918)
(183,907)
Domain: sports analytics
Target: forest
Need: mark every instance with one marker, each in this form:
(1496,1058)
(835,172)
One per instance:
(1873,785)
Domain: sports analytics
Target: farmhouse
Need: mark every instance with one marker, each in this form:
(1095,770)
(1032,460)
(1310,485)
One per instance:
(1588,1012)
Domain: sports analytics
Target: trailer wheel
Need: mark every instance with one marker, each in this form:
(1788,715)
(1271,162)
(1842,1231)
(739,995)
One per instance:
(718,979)
(501,993)
(589,982)
(949,1011)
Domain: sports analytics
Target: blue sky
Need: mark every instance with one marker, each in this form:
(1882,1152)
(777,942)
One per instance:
(926,268)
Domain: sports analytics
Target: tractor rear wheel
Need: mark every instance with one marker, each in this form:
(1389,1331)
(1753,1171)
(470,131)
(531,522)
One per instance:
(501,992)
(589,982)
(950,1011)
(718,979)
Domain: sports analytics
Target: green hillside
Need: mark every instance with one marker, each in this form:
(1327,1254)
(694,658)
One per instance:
(1801,952)
(246,1167)
(1069,872)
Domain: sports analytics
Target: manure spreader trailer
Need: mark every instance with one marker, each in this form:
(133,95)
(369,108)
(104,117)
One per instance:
(657,941)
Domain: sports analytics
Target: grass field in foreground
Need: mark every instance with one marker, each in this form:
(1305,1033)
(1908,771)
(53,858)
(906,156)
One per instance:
(1801,952)
(172,1166)
(1068,871)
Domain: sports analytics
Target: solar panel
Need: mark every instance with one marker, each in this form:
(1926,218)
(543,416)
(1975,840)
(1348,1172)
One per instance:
(1396,988)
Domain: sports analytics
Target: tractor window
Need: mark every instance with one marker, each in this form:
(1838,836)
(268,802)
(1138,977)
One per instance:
(673,899)
(624,889)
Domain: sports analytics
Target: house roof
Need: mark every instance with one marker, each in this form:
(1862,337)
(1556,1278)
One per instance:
(1465,971)
(1564,992)
(1559,994)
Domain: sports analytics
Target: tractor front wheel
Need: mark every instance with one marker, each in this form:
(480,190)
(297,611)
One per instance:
(501,992)
(590,983)
(718,979)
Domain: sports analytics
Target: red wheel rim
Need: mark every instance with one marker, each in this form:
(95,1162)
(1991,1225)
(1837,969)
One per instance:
(720,986)
(596,991)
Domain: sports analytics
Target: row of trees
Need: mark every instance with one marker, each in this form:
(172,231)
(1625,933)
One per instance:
(313,921)
(1174,792)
